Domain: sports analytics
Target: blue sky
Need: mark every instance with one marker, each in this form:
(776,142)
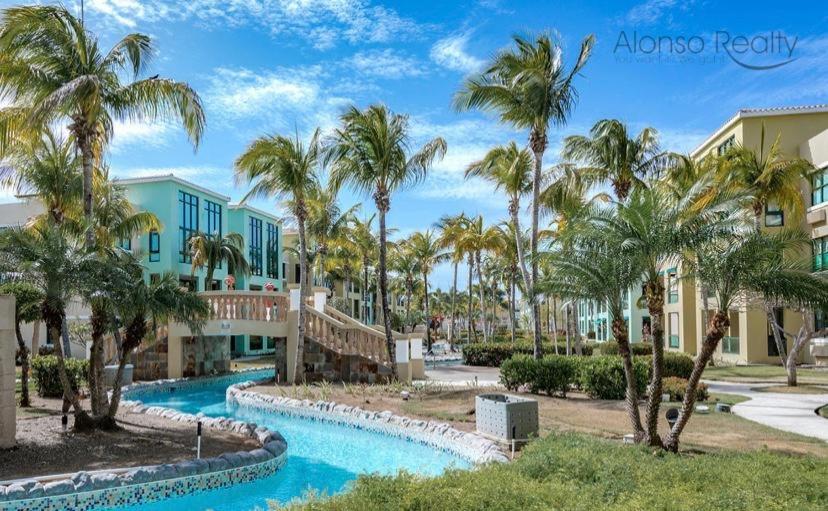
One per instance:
(272,66)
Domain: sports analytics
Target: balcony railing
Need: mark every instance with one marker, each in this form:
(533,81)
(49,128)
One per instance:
(247,305)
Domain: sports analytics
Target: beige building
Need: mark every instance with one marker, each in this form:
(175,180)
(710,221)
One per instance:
(802,132)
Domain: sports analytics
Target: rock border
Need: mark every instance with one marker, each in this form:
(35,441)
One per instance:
(469,446)
(118,487)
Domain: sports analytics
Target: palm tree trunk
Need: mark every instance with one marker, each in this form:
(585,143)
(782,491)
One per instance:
(54,321)
(654,291)
(512,325)
(84,141)
(480,292)
(514,208)
(382,201)
(24,365)
(619,331)
(777,332)
(365,307)
(538,143)
(554,325)
(304,291)
(427,317)
(470,327)
(566,323)
(64,337)
(453,304)
(97,392)
(716,328)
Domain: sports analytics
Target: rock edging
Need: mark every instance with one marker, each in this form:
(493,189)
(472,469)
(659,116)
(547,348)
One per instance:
(84,490)
(470,446)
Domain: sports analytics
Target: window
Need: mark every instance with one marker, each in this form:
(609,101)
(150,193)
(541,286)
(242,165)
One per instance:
(820,320)
(213,218)
(730,342)
(272,251)
(674,330)
(284,270)
(154,247)
(187,223)
(820,259)
(297,274)
(256,342)
(188,282)
(271,343)
(255,246)
(726,145)
(819,188)
(672,287)
(125,244)
(774,217)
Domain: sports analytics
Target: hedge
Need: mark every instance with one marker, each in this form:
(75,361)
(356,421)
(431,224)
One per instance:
(580,472)
(677,387)
(551,374)
(602,377)
(47,380)
(636,348)
(676,365)
(494,353)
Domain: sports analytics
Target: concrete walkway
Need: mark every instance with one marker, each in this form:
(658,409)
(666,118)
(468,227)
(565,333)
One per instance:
(788,412)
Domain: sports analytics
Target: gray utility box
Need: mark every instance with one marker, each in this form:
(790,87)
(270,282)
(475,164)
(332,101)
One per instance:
(506,417)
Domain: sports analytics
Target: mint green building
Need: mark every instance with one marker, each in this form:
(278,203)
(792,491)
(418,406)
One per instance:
(185,208)
(594,321)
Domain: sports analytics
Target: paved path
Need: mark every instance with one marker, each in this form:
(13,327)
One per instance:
(788,412)
(463,375)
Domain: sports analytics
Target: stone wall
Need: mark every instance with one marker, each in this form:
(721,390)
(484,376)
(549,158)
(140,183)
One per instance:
(206,355)
(8,348)
(150,362)
(324,364)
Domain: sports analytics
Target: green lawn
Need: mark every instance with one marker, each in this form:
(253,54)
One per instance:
(579,472)
(763,373)
(731,399)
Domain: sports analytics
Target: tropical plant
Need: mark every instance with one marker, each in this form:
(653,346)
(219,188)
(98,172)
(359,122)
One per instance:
(27,300)
(279,167)
(737,269)
(529,88)
(404,263)
(326,223)
(365,242)
(610,155)
(211,250)
(369,153)
(451,227)
(55,70)
(428,251)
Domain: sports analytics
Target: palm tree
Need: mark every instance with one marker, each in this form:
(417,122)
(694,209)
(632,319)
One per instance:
(589,268)
(159,301)
(284,167)
(509,271)
(428,251)
(475,240)
(27,300)
(326,222)
(369,152)
(740,265)
(365,243)
(55,70)
(451,228)
(212,250)
(405,264)
(49,258)
(653,228)
(610,155)
(529,88)
(510,169)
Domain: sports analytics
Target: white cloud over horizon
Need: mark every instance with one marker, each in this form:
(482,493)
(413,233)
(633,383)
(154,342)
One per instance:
(451,53)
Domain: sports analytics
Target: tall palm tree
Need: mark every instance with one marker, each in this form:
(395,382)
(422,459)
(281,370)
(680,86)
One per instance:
(326,222)
(509,271)
(55,70)
(365,242)
(428,251)
(510,169)
(405,264)
(282,167)
(451,228)
(740,265)
(369,152)
(475,240)
(610,155)
(211,250)
(529,88)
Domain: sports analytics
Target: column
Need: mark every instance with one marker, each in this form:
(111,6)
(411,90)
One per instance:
(403,362)
(8,347)
(417,361)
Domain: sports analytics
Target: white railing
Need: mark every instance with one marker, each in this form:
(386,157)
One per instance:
(247,305)
(346,338)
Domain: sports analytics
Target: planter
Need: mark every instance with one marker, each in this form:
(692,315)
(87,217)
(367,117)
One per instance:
(112,370)
(506,417)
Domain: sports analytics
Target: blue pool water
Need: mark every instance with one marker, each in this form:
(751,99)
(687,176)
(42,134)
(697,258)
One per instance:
(321,457)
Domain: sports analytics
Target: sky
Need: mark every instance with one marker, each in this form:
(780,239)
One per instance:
(287,66)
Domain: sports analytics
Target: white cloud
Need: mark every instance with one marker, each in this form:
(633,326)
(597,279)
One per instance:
(650,11)
(184,172)
(145,134)
(450,52)
(386,63)
(242,92)
(321,22)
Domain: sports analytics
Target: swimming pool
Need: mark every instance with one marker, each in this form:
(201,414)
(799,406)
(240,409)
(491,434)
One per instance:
(322,457)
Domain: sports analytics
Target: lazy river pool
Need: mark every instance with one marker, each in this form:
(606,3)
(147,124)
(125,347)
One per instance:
(322,457)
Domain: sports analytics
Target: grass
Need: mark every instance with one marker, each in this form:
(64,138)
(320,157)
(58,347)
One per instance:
(730,399)
(824,411)
(763,373)
(799,389)
(579,472)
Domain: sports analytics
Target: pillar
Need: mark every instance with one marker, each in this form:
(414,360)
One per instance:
(8,347)
(417,361)
(319,300)
(175,356)
(292,341)
(403,361)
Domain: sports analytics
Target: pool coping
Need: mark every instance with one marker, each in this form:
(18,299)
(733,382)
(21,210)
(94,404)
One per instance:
(470,446)
(132,485)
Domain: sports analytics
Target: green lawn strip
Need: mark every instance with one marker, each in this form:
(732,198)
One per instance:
(762,373)
(579,472)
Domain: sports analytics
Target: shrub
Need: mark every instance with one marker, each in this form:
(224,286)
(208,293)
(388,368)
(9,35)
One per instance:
(47,380)
(494,353)
(602,377)
(636,348)
(45,350)
(552,374)
(677,387)
(676,365)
